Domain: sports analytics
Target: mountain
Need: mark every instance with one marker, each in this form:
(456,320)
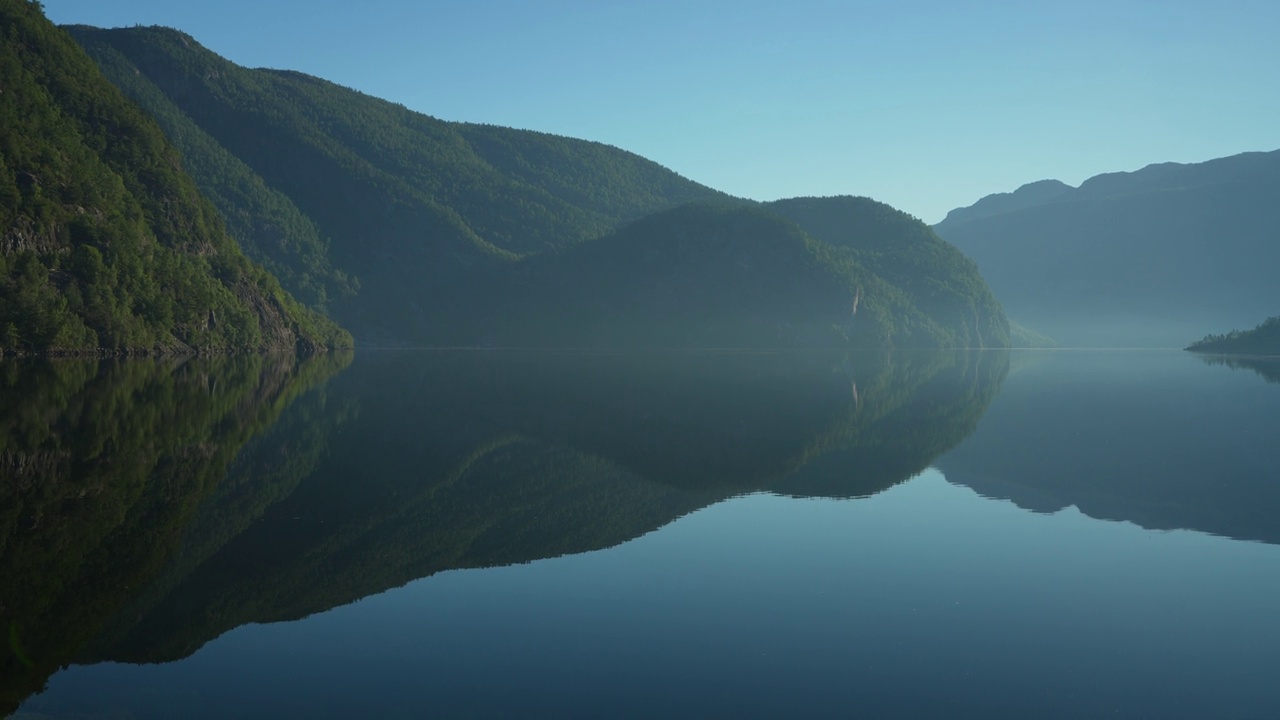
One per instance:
(412,230)
(326,184)
(1262,340)
(1029,195)
(104,242)
(739,275)
(1150,257)
(936,278)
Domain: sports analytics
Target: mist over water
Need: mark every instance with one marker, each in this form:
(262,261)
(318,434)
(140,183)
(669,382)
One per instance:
(1132,331)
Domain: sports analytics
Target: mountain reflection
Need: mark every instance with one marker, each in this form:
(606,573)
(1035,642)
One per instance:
(150,506)
(1156,439)
(104,466)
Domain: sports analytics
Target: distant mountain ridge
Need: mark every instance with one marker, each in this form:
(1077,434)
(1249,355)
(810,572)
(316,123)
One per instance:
(1029,195)
(1156,256)
(1151,178)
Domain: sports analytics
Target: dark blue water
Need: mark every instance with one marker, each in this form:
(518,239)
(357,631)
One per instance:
(1048,535)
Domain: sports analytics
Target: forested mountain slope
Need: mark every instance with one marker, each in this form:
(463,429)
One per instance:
(412,230)
(1151,257)
(939,280)
(105,243)
(325,184)
(737,275)
(1262,340)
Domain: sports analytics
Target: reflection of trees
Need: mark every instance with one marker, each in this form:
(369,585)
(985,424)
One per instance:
(474,460)
(1266,367)
(743,423)
(102,466)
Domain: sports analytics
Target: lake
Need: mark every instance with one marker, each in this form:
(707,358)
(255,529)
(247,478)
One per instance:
(400,534)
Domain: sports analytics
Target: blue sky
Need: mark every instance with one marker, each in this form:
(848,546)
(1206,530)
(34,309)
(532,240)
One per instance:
(923,105)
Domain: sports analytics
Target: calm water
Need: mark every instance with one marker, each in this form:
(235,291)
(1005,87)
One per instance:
(1074,534)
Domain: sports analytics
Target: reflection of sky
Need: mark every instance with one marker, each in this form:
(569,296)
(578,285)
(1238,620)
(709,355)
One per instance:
(923,599)
(924,104)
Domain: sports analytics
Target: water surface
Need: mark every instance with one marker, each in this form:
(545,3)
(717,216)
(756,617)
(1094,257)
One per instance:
(461,534)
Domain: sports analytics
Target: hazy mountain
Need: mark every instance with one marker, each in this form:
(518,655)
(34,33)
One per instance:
(734,275)
(409,229)
(1029,195)
(937,279)
(1152,257)
(104,241)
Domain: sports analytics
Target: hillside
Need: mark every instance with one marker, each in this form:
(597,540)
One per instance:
(360,205)
(413,230)
(734,275)
(1150,257)
(937,278)
(1262,340)
(105,243)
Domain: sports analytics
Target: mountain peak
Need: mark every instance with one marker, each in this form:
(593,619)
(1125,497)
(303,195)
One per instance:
(1032,193)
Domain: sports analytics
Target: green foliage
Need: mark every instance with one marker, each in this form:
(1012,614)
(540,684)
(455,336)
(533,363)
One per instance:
(1262,340)
(730,275)
(323,184)
(265,222)
(106,243)
(465,233)
(936,278)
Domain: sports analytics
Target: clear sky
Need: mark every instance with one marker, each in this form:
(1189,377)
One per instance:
(926,105)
